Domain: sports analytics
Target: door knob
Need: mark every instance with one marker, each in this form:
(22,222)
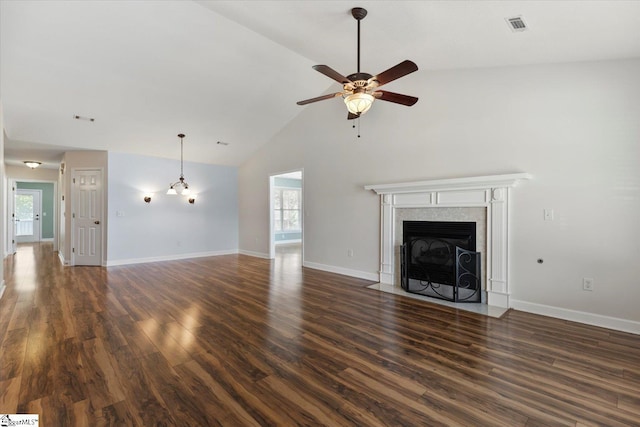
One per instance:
(96,222)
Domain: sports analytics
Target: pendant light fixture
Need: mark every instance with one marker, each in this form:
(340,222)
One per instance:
(180,186)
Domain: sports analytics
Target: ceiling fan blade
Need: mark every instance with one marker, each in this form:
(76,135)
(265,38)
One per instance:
(393,73)
(397,98)
(351,116)
(319,98)
(331,73)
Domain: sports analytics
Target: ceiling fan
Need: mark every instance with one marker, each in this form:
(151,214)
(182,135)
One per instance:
(361,89)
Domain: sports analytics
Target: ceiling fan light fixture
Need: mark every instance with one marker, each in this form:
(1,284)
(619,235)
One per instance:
(358,103)
(361,89)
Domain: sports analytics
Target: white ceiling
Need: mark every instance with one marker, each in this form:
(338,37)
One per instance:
(232,71)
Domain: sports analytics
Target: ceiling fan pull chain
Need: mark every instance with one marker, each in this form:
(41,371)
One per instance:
(353,126)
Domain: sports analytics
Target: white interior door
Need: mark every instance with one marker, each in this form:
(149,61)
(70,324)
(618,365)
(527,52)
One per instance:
(27,215)
(87,217)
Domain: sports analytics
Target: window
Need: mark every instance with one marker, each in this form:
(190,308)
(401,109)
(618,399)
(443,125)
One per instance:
(286,209)
(24,214)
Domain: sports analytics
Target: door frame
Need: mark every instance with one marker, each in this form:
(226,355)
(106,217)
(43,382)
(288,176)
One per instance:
(11,244)
(73,200)
(272,240)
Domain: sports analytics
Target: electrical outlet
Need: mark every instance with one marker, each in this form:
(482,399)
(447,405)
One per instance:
(349,252)
(587,284)
(548,214)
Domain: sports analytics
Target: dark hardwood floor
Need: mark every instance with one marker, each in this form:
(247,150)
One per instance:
(241,341)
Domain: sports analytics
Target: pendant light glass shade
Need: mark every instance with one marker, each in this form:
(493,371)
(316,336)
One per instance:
(359,102)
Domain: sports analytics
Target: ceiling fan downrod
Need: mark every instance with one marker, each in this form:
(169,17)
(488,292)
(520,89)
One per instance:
(358,13)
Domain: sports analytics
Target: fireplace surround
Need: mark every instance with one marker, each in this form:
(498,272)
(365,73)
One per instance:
(491,193)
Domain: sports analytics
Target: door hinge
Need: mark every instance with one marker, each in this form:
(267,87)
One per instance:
(73,215)
(13,241)
(74,180)
(73,250)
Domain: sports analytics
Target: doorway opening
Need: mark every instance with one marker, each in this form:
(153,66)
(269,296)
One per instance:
(31,209)
(286,233)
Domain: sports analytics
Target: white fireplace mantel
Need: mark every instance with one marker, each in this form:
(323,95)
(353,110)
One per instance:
(490,192)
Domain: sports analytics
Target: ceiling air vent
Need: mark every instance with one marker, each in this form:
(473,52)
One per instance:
(516,24)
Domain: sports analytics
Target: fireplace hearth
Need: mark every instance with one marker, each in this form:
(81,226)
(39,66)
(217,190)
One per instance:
(438,259)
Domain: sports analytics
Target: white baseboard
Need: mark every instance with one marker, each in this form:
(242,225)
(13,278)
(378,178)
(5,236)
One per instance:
(578,316)
(2,288)
(498,299)
(286,242)
(344,271)
(254,254)
(50,239)
(169,257)
(61,258)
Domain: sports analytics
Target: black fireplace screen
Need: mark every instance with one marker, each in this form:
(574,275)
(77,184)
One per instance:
(438,259)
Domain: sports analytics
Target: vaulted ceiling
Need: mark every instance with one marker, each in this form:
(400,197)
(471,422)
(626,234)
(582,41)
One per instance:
(232,71)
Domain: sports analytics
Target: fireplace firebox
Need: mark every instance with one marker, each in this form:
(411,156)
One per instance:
(438,259)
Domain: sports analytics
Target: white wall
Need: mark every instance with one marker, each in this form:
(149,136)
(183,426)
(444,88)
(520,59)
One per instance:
(3,200)
(169,227)
(23,173)
(574,127)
